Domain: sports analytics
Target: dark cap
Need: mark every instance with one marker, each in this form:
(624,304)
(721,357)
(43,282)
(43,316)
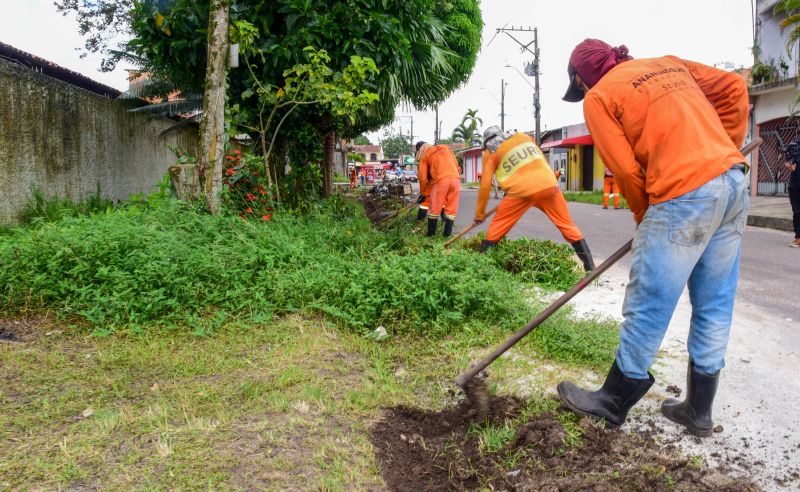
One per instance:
(574,91)
(420,144)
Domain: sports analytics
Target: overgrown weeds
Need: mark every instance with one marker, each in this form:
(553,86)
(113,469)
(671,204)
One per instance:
(169,264)
(40,208)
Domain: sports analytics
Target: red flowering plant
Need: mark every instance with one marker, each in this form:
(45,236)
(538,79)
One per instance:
(244,187)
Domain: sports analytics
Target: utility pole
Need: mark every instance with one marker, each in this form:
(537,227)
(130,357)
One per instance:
(436,130)
(531,69)
(503,104)
(411,137)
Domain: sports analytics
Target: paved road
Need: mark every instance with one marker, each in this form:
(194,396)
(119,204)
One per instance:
(770,277)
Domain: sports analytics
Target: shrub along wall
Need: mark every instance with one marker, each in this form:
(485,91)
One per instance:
(69,142)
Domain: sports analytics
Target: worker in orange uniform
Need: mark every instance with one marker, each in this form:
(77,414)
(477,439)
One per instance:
(670,129)
(523,173)
(353,178)
(610,187)
(438,168)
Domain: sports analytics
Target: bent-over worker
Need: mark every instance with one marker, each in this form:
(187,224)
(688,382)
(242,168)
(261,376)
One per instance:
(670,131)
(524,175)
(438,172)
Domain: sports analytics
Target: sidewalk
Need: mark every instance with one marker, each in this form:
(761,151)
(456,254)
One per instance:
(773,212)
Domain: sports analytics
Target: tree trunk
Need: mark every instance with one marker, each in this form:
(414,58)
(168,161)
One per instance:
(330,158)
(212,123)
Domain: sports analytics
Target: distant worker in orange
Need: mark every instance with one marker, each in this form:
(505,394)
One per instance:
(353,178)
(438,169)
(610,187)
(523,173)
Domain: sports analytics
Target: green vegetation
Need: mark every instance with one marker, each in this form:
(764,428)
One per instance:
(593,197)
(41,208)
(163,263)
(543,263)
(286,388)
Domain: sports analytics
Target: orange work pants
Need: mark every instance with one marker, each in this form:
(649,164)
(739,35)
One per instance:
(610,187)
(550,201)
(444,193)
(426,203)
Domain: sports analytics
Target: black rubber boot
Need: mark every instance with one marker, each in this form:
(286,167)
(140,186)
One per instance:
(695,411)
(582,250)
(422,213)
(448,227)
(432,221)
(485,245)
(611,402)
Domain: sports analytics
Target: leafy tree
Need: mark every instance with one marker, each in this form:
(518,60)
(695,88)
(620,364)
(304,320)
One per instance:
(394,144)
(424,50)
(312,83)
(362,140)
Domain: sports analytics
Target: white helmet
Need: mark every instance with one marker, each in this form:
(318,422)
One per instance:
(490,133)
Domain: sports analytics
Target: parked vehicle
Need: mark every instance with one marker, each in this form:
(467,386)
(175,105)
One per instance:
(411,176)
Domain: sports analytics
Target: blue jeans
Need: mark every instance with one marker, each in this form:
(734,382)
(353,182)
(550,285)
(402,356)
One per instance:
(693,239)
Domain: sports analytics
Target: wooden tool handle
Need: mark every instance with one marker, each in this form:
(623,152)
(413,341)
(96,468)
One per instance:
(469,228)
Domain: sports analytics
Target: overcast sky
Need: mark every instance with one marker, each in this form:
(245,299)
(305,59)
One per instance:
(708,31)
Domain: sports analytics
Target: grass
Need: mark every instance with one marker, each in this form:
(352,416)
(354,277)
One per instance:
(282,405)
(593,197)
(239,357)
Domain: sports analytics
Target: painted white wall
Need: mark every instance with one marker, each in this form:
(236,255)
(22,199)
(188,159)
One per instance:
(774,104)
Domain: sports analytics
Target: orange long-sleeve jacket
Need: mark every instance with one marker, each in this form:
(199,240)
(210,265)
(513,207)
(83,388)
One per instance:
(520,168)
(665,126)
(437,163)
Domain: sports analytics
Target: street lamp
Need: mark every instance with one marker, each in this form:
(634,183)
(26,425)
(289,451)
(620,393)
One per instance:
(502,102)
(536,106)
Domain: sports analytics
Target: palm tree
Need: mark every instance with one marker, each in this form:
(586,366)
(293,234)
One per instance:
(461,133)
(472,117)
(791,8)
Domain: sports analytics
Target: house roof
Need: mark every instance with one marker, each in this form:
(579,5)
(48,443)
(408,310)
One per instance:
(58,72)
(368,149)
(569,142)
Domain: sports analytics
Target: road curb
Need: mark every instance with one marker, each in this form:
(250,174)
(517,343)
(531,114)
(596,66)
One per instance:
(779,223)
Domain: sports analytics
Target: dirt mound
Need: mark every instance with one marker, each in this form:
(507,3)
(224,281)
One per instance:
(427,451)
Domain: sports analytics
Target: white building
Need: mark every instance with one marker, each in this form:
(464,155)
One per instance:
(773,90)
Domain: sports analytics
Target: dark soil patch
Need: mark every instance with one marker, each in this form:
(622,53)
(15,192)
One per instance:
(20,330)
(426,451)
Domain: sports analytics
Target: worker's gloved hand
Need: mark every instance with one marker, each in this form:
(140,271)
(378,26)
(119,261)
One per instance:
(421,199)
(478,221)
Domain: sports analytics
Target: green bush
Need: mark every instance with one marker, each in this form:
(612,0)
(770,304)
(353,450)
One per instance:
(169,264)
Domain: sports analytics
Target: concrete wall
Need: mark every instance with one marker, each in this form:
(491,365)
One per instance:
(776,104)
(69,142)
